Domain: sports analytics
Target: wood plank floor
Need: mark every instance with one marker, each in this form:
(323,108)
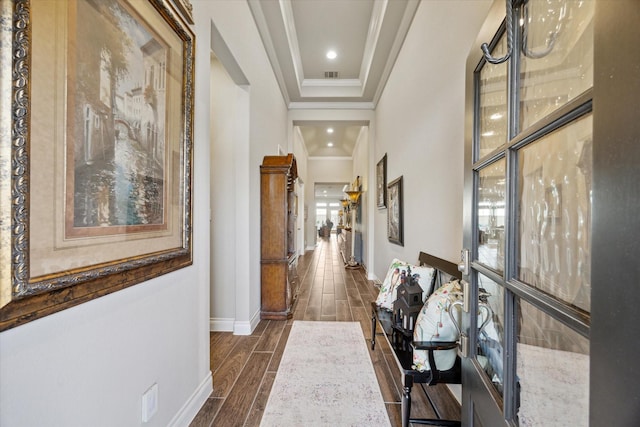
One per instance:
(244,367)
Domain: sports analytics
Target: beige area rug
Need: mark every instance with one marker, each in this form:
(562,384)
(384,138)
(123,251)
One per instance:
(325,378)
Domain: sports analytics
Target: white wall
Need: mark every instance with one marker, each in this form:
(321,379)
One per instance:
(300,152)
(226,99)
(420,125)
(89,365)
(260,121)
(361,168)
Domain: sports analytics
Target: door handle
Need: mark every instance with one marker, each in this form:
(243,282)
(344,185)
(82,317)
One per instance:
(464,345)
(463,265)
(465,296)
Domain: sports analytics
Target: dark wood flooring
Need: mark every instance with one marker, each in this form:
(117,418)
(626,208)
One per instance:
(244,367)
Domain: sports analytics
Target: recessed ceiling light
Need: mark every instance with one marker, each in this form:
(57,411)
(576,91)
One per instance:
(329,144)
(329,130)
(332,54)
(496,116)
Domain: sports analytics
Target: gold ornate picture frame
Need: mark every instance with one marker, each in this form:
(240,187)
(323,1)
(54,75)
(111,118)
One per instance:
(381,183)
(96,154)
(395,220)
(185,9)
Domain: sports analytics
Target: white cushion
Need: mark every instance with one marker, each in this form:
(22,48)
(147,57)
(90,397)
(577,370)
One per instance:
(389,288)
(435,324)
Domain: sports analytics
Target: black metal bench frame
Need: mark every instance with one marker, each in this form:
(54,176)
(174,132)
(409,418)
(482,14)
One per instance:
(402,345)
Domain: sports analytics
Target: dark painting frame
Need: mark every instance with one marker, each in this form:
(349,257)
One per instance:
(381,183)
(395,220)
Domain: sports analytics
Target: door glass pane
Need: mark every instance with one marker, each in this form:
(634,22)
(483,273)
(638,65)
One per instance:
(491,336)
(491,211)
(492,116)
(554,191)
(552,370)
(558,63)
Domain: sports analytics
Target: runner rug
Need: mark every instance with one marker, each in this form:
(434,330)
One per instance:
(325,378)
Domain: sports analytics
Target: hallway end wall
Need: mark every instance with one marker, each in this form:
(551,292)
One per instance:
(323,170)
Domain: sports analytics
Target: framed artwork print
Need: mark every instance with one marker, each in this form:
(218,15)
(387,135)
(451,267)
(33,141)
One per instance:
(100,152)
(185,8)
(381,182)
(394,212)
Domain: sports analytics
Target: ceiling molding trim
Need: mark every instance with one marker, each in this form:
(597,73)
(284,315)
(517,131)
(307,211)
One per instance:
(323,158)
(332,83)
(403,29)
(263,29)
(331,106)
(292,39)
(331,92)
(375,26)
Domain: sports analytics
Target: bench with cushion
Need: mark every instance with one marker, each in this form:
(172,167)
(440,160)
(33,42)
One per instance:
(402,344)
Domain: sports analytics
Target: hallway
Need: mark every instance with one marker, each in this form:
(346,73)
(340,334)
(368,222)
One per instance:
(244,367)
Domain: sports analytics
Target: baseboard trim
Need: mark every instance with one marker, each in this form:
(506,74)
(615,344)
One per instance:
(246,328)
(370,275)
(218,324)
(190,409)
(255,319)
(456,392)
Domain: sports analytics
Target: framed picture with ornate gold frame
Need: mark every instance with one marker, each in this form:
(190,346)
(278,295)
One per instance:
(381,183)
(395,226)
(96,150)
(185,8)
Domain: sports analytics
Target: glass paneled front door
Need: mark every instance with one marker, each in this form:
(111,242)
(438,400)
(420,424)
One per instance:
(529,181)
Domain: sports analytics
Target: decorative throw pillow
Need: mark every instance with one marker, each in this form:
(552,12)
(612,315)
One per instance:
(435,324)
(389,287)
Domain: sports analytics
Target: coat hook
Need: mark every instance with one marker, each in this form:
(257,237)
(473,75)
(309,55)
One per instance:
(485,46)
(551,39)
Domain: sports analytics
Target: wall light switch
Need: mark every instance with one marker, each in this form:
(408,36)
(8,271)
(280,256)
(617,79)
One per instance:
(150,403)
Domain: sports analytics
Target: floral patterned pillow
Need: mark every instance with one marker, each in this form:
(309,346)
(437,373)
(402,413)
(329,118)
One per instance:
(389,287)
(435,324)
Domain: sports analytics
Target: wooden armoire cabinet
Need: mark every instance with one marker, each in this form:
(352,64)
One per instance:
(278,257)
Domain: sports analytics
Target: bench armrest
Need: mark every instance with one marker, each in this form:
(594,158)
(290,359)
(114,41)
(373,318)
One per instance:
(434,345)
(430,347)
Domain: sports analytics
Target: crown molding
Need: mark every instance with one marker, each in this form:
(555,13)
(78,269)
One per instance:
(331,105)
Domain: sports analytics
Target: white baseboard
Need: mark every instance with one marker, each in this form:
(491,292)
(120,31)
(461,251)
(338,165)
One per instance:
(218,324)
(372,277)
(456,391)
(246,328)
(190,409)
(255,319)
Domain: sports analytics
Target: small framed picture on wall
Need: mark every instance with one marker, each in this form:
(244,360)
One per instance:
(381,182)
(394,214)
